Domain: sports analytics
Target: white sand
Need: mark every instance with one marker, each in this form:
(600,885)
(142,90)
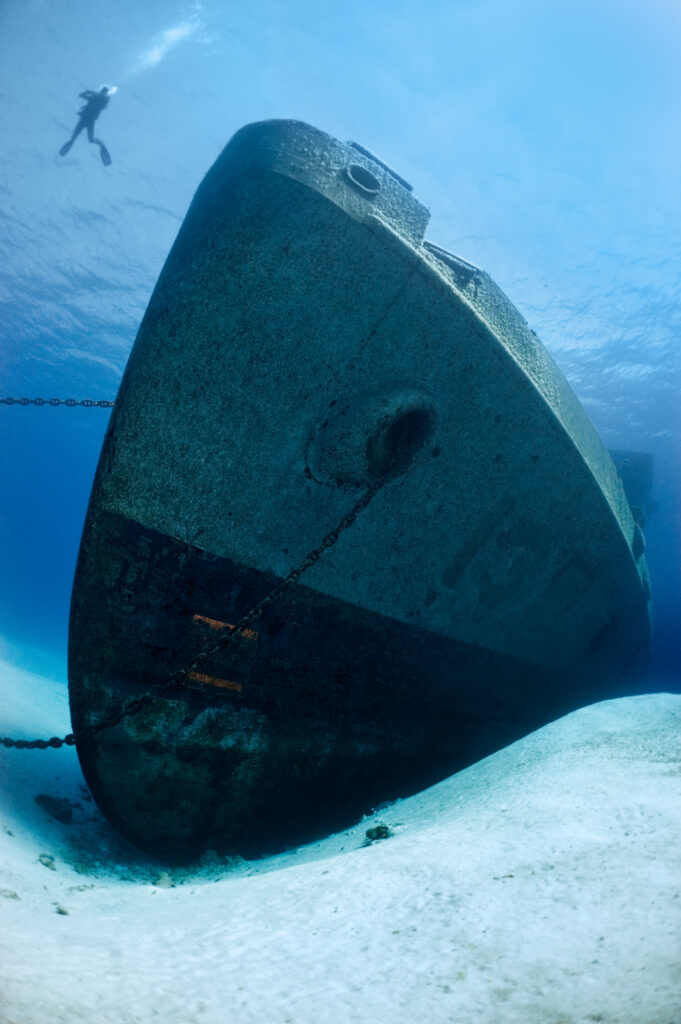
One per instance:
(540,886)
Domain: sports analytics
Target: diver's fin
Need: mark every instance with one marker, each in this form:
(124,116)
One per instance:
(65,148)
(105,155)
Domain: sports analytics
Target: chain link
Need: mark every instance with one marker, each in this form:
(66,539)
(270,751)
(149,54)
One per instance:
(179,677)
(89,402)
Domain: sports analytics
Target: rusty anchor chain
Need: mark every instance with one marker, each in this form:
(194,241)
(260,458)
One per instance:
(88,402)
(179,677)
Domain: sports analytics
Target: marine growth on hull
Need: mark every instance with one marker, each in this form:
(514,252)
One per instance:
(350,530)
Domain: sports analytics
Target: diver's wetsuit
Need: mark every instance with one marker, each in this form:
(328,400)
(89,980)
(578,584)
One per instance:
(95,102)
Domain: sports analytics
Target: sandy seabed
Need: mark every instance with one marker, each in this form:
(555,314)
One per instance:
(540,886)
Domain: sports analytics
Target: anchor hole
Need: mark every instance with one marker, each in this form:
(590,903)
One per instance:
(393,446)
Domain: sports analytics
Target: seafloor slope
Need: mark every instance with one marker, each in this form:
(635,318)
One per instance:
(541,885)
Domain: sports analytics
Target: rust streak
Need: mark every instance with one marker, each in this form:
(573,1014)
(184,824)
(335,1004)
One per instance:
(226,684)
(250,634)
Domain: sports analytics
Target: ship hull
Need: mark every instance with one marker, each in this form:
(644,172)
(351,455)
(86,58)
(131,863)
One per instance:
(303,345)
(312,717)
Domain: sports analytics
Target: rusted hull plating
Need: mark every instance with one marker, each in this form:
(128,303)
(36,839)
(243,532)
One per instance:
(303,339)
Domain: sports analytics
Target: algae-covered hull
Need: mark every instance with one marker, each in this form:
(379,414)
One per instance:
(303,344)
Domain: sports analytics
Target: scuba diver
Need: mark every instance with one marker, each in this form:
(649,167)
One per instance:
(95,102)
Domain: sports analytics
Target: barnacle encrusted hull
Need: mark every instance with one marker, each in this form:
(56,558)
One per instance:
(303,344)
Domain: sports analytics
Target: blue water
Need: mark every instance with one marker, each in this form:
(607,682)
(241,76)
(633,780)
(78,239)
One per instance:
(544,138)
